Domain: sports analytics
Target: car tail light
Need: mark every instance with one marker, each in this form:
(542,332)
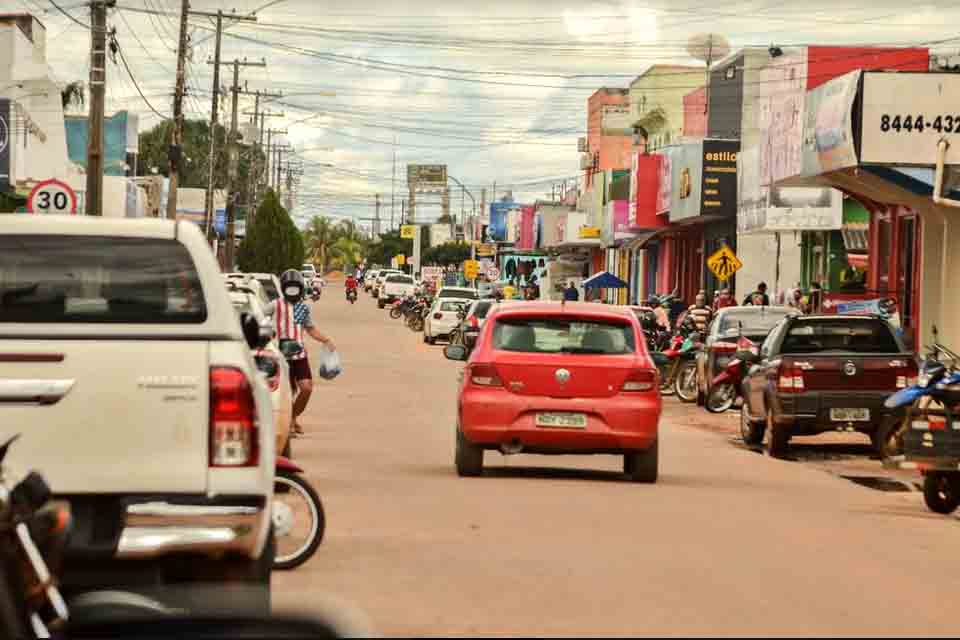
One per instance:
(233,419)
(724,347)
(438,316)
(907,376)
(485,375)
(641,380)
(790,379)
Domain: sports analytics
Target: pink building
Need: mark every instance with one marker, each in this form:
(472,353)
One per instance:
(607,151)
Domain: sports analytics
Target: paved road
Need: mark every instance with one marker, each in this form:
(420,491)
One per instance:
(729,542)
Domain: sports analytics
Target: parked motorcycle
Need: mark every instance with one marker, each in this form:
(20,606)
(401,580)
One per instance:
(32,532)
(725,387)
(677,359)
(298,517)
(400,307)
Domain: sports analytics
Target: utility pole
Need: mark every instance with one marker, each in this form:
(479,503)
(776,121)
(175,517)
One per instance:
(393,182)
(232,161)
(176,139)
(98,78)
(376,224)
(259,119)
(214,108)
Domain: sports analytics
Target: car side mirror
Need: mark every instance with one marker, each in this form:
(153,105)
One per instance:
(455,352)
(251,330)
(266,334)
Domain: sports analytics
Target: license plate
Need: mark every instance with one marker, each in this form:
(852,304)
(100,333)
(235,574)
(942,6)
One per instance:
(562,420)
(850,415)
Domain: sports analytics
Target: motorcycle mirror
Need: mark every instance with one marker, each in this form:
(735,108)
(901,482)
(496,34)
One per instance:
(6,446)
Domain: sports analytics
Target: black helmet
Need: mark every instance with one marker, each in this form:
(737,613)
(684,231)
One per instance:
(292,285)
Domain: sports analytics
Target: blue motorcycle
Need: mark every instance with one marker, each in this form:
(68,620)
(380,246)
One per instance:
(888,439)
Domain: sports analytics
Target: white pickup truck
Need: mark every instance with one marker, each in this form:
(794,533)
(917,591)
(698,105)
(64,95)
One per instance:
(396,287)
(129,378)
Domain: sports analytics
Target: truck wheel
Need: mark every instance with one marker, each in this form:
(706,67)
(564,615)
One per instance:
(230,585)
(468,458)
(888,438)
(779,437)
(941,492)
(750,431)
(642,466)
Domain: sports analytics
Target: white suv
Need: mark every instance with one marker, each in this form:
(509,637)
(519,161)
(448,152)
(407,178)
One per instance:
(129,378)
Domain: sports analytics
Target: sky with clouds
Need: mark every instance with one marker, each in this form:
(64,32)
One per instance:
(495,90)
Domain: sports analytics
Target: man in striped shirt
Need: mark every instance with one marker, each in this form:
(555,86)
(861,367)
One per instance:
(292,320)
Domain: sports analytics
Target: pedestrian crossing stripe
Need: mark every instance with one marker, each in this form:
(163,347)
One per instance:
(724,263)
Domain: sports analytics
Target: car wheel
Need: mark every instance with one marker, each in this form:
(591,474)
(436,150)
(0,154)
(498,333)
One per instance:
(888,438)
(779,437)
(750,431)
(642,466)
(469,457)
(941,492)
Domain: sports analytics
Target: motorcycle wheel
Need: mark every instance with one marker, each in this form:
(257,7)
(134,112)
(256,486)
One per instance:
(940,492)
(298,520)
(686,382)
(888,439)
(396,312)
(416,324)
(721,398)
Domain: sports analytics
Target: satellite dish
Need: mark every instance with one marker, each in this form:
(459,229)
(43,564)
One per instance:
(708,47)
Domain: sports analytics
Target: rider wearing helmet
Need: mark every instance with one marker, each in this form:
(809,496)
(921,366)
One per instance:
(292,319)
(351,285)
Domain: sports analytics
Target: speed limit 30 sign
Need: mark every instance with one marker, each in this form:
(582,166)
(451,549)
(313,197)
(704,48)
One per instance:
(53,197)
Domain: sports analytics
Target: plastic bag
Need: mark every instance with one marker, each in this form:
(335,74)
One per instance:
(330,366)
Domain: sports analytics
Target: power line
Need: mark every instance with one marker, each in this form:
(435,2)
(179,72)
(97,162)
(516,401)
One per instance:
(64,12)
(134,80)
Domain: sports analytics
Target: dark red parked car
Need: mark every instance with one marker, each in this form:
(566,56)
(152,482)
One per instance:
(552,378)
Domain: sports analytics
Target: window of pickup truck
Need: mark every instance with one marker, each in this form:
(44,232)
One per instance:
(866,335)
(98,279)
(400,280)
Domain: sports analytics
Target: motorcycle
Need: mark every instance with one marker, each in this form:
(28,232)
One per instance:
(400,308)
(299,521)
(32,533)
(352,295)
(678,358)
(416,315)
(725,387)
(315,293)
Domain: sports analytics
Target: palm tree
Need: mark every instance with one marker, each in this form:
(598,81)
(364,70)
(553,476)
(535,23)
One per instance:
(347,251)
(72,95)
(319,238)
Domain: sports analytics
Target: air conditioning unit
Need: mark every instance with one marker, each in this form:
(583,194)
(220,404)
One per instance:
(582,145)
(586,161)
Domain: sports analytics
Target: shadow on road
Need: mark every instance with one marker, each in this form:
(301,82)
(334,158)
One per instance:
(554,473)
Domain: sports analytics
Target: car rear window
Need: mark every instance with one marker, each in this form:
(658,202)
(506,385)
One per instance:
(563,335)
(450,306)
(856,336)
(81,279)
(400,279)
(465,294)
(755,321)
(269,287)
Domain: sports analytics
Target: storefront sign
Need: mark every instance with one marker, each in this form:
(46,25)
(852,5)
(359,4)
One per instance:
(905,115)
(686,177)
(664,184)
(647,181)
(408,231)
(589,232)
(427,176)
(780,108)
(431,274)
(720,177)
(5,130)
(486,250)
(498,218)
(828,126)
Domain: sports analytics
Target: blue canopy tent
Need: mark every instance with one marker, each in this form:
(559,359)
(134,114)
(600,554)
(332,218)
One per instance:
(604,280)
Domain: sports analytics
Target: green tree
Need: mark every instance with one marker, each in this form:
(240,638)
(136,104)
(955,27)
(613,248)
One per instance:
(447,254)
(273,243)
(389,245)
(319,239)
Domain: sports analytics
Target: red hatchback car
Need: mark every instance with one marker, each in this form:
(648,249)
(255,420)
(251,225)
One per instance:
(559,378)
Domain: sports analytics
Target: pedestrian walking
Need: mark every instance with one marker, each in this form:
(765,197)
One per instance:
(759,297)
(700,313)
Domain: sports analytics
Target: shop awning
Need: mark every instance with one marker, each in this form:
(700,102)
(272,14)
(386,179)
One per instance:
(604,280)
(643,238)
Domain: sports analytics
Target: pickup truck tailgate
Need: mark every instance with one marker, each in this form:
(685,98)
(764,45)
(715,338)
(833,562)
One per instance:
(95,416)
(852,372)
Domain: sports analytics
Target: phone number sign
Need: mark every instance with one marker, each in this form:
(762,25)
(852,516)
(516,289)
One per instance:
(52,197)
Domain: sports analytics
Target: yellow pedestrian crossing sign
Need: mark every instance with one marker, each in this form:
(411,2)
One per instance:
(724,263)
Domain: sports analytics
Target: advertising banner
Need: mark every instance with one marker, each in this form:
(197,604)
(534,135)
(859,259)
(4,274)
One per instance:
(828,126)
(440,234)
(5,131)
(905,115)
(647,188)
(498,218)
(686,177)
(427,176)
(664,183)
(526,238)
(720,177)
(751,194)
(780,107)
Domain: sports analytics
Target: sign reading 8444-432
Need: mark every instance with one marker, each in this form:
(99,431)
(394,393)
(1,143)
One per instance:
(53,197)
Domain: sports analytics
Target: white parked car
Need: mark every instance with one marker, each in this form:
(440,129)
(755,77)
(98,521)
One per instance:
(129,379)
(269,282)
(458,293)
(250,283)
(443,318)
(272,365)
(396,287)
